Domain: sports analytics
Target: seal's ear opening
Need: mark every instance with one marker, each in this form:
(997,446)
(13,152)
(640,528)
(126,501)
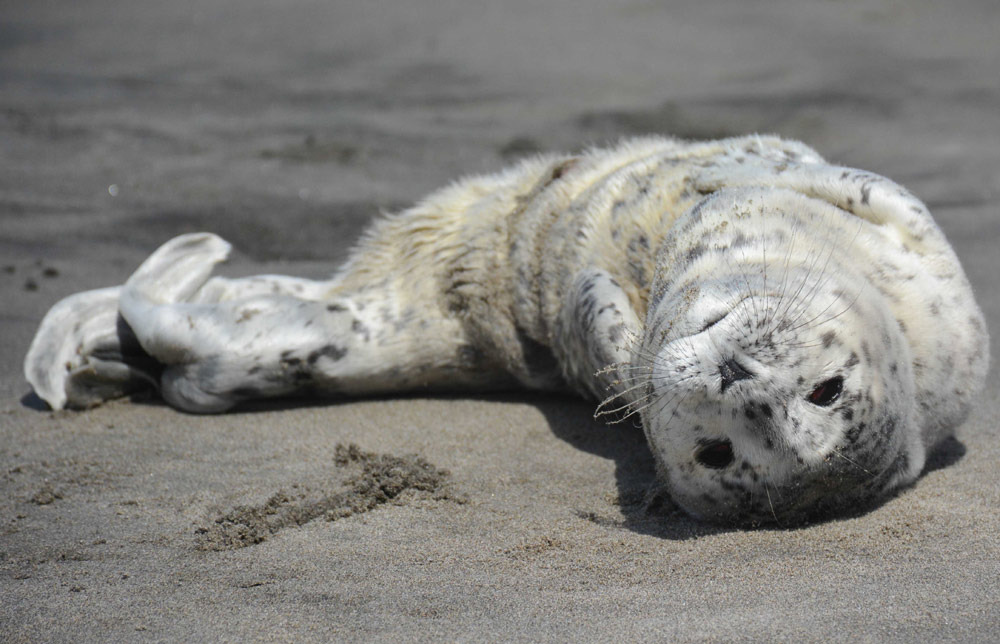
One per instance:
(864,194)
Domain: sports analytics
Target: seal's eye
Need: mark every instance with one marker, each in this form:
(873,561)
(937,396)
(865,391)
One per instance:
(715,454)
(825,393)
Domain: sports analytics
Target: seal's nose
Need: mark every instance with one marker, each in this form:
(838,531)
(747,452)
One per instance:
(731,371)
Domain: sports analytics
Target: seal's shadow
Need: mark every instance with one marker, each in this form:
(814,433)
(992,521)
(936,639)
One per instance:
(645,507)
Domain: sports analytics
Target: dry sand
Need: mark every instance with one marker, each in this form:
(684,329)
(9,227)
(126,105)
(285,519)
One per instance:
(284,126)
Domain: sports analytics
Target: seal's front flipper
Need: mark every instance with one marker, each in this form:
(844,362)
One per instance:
(595,332)
(84,353)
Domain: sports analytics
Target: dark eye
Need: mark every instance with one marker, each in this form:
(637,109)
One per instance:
(715,454)
(825,393)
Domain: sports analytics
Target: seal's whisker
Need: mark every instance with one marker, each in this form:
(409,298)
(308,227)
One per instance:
(617,367)
(827,277)
(814,289)
(673,413)
(784,285)
(843,456)
(774,515)
(632,404)
(635,406)
(834,317)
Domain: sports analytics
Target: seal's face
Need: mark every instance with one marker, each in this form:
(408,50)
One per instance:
(777,404)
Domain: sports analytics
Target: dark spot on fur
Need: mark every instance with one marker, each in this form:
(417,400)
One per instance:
(852,434)
(562,168)
(336,308)
(828,339)
(357,326)
(739,241)
(866,191)
(695,252)
(852,360)
(330,351)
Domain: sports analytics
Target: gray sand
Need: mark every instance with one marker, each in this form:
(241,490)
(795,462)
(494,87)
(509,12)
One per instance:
(284,127)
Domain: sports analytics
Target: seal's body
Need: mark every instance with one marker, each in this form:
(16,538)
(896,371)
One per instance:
(795,336)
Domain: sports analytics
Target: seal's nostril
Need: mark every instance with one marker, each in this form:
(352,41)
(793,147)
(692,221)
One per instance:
(731,371)
(715,454)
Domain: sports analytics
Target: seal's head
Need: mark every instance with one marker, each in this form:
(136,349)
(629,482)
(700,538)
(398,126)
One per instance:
(780,384)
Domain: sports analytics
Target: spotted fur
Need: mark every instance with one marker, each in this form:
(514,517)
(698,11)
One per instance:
(794,336)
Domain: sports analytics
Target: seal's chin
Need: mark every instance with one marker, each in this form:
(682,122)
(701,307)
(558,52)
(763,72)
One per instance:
(721,484)
(805,495)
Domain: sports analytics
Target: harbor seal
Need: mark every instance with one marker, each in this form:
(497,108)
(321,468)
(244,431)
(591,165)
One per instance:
(794,336)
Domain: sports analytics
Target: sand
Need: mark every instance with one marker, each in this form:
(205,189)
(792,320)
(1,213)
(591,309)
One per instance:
(285,127)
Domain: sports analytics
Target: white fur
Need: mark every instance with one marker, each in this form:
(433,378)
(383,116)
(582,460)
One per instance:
(711,288)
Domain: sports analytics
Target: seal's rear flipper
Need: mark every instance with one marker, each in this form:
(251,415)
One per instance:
(84,353)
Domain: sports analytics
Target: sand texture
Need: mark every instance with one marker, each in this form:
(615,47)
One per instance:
(284,127)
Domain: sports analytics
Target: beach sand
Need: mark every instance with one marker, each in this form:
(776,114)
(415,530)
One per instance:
(284,127)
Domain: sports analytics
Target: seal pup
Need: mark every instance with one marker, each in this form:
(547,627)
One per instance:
(794,336)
